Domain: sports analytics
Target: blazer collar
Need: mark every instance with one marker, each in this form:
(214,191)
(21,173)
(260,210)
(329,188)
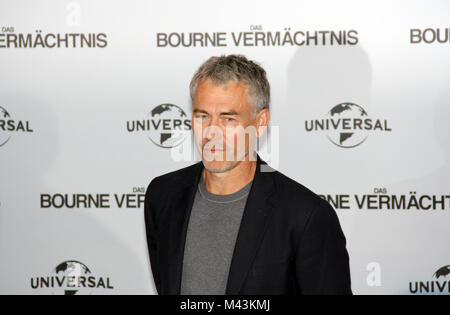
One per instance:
(253,225)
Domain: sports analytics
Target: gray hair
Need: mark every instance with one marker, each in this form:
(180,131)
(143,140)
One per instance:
(220,70)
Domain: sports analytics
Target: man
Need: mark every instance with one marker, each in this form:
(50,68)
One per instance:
(230,224)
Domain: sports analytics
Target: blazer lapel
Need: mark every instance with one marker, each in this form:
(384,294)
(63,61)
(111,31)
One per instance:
(178,230)
(253,225)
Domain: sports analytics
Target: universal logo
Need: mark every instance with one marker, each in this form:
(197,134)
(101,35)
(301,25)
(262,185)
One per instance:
(9,126)
(166,125)
(347,125)
(69,278)
(441,284)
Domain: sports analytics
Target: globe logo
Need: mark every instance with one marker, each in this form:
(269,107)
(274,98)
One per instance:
(169,125)
(442,272)
(4,134)
(73,271)
(346,120)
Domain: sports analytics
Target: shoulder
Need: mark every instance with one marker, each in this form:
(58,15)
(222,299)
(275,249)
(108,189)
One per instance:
(172,179)
(287,187)
(302,209)
(298,200)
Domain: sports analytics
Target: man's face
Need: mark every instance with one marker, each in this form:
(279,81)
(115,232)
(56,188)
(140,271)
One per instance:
(223,124)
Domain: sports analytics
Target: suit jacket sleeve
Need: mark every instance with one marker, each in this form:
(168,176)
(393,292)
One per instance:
(322,261)
(151,230)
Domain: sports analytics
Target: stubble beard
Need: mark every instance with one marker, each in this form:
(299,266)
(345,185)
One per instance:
(226,165)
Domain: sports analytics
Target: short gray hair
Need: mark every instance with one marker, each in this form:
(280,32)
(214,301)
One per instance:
(220,70)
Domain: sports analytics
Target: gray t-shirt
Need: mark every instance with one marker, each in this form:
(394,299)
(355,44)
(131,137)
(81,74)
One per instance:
(211,236)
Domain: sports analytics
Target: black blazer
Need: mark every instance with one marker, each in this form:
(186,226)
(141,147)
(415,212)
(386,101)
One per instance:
(289,242)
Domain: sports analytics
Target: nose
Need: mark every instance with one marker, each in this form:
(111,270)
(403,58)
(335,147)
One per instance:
(209,133)
(211,130)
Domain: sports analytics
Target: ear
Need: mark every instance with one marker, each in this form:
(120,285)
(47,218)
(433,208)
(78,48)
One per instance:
(262,121)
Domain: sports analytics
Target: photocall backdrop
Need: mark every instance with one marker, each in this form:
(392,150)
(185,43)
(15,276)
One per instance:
(94,103)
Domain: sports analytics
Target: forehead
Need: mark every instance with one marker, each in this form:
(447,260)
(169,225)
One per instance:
(230,96)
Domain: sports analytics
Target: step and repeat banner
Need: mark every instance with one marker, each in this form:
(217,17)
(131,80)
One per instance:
(94,103)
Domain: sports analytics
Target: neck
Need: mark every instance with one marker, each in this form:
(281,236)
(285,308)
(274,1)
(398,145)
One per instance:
(231,181)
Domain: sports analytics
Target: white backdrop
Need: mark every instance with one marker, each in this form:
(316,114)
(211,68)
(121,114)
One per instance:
(66,115)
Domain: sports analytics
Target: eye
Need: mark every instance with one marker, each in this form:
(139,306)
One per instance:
(230,119)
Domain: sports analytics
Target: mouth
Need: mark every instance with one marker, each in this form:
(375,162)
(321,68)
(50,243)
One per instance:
(209,149)
(215,150)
